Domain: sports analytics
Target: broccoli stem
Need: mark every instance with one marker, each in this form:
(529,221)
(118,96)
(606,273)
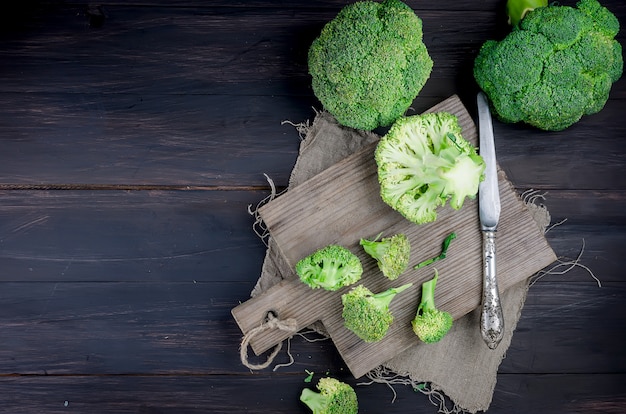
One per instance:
(309,377)
(332,270)
(374,248)
(428,295)
(517,9)
(383,299)
(442,255)
(314,400)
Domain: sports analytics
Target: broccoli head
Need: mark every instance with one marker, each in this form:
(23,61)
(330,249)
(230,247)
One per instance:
(331,268)
(391,253)
(430,324)
(369,63)
(423,161)
(334,397)
(558,64)
(368,314)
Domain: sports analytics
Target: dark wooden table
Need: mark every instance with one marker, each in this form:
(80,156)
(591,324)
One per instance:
(133,138)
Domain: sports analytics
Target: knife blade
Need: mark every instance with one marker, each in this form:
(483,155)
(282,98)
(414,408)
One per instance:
(491,319)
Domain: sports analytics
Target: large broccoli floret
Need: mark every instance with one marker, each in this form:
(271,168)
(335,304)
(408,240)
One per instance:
(391,253)
(331,268)
(423,161)
(369,63)
(430,324)
(368,314)
(335,397)
(555,66)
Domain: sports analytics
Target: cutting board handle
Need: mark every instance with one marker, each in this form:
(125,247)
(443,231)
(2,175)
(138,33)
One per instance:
(279,312)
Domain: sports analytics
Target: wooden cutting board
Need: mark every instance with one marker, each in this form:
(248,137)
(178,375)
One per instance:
(341,205)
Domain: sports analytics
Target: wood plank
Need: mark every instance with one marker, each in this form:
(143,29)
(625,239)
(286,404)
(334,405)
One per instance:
(121,328)
(572,159)
(570,328)
(514,394)
(146,130)
(559,394)
(146,394)
(201,49)
(591,207)
(171,140)
(185,328)
(131,139)
(341,205)
(296,4)
(129,236)
(264,4)
(49,235)
(601,250)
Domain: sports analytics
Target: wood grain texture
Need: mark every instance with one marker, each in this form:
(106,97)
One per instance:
(340,206)
(150,236)
(177,94)
(185,328)
(516,394)
(116,298)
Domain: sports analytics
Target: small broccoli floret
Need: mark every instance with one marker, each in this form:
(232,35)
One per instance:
(391,253)
(549,21)
(430,324)
(555,66)
(368,314)
(369,63)
(603,20)
(423,161)
(334,397)
(330,268)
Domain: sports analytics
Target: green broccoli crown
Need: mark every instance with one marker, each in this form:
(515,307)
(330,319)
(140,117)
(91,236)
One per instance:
(430,324)
(391,254)
(423,161)
(330,268)
(368,314)
(558,64)
(369,63)
(334,397)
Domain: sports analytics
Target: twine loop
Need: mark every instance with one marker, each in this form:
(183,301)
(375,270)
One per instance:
(288,325)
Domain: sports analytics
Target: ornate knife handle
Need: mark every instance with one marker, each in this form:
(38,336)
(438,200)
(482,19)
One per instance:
(491,318)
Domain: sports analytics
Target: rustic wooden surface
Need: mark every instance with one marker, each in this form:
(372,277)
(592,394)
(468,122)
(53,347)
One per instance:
(133,137)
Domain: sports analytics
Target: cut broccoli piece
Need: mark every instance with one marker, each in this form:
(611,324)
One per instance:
(442,255)
(423,161)
(368,314)
(430,324)
(369,63)
(391,253)
(334,397)
(309,376)
(558,64)
(330,268)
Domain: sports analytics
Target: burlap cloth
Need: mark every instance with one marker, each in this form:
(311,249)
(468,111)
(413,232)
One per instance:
(460,368)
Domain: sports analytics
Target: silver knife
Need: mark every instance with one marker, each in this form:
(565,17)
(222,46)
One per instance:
(491,319)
